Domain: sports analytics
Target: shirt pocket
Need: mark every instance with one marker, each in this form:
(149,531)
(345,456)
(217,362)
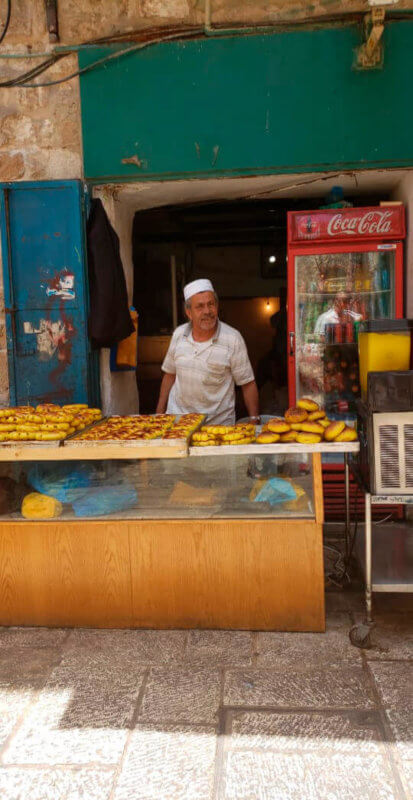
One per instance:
(216,373)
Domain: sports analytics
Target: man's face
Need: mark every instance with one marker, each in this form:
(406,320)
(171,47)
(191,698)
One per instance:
(341,302)
(203,311)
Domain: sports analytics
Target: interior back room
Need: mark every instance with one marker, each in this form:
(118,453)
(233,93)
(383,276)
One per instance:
(233,231)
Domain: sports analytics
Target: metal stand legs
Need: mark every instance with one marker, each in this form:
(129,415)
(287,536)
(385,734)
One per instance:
(347,490)
(360,634)
(368,551)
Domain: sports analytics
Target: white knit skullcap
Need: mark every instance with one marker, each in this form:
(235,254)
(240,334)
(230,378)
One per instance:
(200,285)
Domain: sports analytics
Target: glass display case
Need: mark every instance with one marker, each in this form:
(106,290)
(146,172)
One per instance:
(216,487)
(334,292)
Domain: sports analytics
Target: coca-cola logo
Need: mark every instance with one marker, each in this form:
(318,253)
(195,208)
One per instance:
(308,227)
(371,223)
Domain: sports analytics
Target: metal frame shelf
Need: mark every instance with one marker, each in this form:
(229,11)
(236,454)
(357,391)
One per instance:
(360,634)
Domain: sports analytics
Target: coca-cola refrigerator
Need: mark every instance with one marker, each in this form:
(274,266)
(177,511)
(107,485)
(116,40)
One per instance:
(344,265)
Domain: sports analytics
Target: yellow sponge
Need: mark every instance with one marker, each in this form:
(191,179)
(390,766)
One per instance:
(40,506)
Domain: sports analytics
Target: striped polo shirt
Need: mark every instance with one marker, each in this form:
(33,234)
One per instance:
(207,372)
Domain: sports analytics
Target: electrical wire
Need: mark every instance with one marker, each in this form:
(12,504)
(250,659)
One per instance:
(33,73)
(7,22)
(21,80)
(182,32)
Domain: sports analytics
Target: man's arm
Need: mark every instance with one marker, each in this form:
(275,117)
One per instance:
(250,395)
(168,381)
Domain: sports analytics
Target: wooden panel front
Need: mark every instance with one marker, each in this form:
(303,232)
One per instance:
(65,573)
(263,574)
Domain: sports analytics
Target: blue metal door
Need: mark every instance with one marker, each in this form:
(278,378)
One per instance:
(45,286)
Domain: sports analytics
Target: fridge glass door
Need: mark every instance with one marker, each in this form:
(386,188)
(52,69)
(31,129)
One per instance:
(333,293)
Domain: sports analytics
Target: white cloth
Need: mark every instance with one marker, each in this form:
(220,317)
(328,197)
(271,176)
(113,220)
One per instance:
(331,317)
(200,285)
(206,373)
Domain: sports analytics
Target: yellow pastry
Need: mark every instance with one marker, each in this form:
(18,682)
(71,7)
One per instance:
(334,430)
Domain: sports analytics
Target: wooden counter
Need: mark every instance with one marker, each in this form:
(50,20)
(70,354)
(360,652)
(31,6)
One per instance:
(257,573)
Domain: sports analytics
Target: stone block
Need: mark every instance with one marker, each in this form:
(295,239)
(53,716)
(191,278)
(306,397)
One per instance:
(146,647)
(394,682)
(173,9)
(309,777)
(323,688)
(53,164)
(177,695)
(299,650)
(17,783)
(32,637)
(11,166)
(82,714)
(168,761)
(344,732)
(401,725)
(219,648)
(391,638)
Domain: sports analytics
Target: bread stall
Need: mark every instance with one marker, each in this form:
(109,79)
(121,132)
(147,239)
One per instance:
(160,523)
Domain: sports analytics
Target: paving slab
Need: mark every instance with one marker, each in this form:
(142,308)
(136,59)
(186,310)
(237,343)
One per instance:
(213,648)
(391,637)
(347,732)
(177,695)
(274,776)
(146,646)
(300,650)
(33,637)
(407,776)
(320,688)
(17,783)
(22,674)
(83,713)
(26,668)
(394,682)
(401,724)
(174,762)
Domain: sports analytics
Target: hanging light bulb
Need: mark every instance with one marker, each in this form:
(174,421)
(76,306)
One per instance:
(268,303)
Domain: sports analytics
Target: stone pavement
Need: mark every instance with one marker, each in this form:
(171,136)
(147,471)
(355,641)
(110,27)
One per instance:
(210,715)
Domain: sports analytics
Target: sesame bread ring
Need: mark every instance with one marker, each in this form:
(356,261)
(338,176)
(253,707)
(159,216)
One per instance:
(334,430)
(296,426)
(348,435)
(290,436)
(278,426)
(325,422)
(308,438)
(267,437)
(295,414)
(312,427)
(316,415)
(308,404)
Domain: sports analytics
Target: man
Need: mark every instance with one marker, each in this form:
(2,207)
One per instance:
(340,312)
(205,360)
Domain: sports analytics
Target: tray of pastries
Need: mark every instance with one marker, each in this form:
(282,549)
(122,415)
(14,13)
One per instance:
(46,423)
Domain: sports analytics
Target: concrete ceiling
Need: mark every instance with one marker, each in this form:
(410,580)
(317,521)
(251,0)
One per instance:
(153,194)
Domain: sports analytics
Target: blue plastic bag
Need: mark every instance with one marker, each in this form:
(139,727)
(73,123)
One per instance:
(105,500)
(275,491)
(64,481)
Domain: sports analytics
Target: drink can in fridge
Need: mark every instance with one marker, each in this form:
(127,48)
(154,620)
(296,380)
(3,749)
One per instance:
(349,332)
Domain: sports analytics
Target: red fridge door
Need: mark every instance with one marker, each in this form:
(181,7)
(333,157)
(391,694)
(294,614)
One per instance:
(331,289)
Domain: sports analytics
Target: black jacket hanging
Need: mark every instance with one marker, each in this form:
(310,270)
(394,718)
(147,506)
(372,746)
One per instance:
(109,318)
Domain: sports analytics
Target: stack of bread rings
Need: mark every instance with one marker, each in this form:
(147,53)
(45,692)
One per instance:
(216,435)
(305,423)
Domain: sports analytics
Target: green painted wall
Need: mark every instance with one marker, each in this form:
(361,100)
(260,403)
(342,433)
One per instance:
(246,105)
